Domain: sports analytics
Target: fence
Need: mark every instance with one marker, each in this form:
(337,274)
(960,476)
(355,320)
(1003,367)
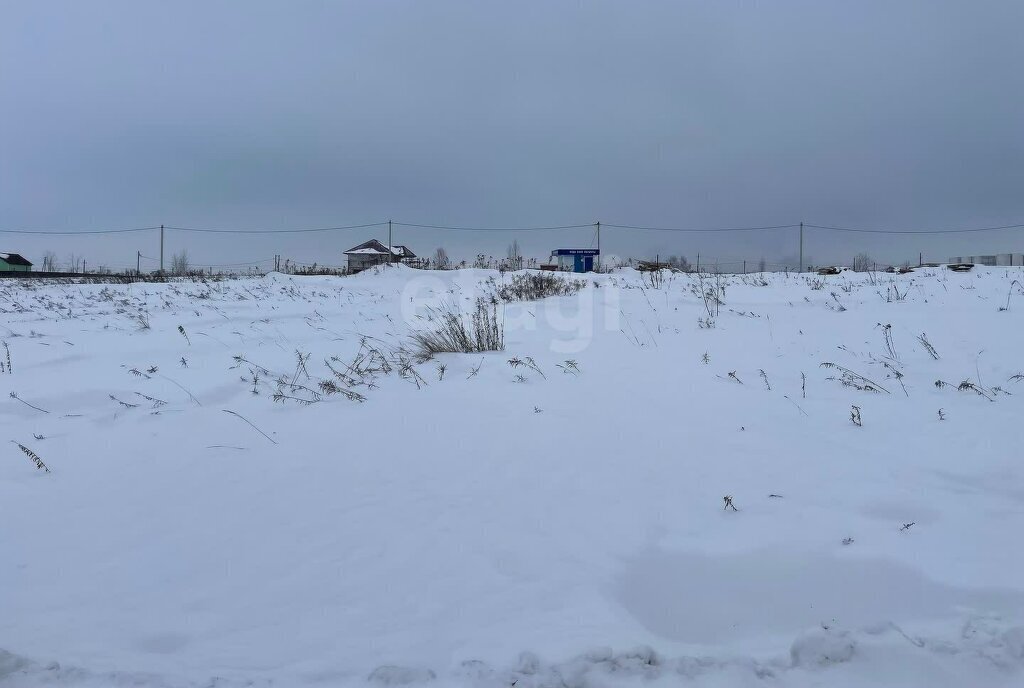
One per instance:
(127,277)
(1004,259)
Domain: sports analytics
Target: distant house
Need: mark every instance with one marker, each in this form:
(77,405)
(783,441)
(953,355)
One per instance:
(372,253)
(13,262)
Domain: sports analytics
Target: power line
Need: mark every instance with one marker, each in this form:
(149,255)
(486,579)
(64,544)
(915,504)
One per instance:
(494,229)
(915,231)
(300,230)
(234,265)
(76,232)
(691,229)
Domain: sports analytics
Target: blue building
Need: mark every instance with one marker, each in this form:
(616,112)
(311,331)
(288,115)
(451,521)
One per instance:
(576,259)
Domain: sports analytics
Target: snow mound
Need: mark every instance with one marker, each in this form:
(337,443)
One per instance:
(822,648)
(980,651)
(1013,641)
(400,676)
(11,664)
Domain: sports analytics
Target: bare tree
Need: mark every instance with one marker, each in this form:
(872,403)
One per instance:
(679,263)
(74,263)
(862,262)
(762,265)
(49,262)
(515,256)
(179,263)
(440,258)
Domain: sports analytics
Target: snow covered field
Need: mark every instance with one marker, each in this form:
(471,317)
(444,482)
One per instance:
(505,525)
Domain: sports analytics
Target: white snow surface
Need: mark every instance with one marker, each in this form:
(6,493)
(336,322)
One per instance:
(562,529)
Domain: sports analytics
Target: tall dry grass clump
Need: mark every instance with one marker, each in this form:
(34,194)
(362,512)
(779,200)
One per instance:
(455,332)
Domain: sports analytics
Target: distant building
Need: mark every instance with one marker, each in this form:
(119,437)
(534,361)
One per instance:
(13,262)
(372,253)
(999,259)
(575,259)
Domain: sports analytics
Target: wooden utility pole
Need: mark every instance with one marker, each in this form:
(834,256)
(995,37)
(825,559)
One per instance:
(161,249)
(598,225)
(391,253)
(801,247)
(138,262)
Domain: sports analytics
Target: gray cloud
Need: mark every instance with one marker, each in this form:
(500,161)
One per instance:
(275,114)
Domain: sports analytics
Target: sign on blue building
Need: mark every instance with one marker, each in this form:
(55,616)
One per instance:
(576,259)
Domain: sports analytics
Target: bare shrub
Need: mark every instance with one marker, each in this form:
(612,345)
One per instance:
(531,286)
(655,279)
(712,294)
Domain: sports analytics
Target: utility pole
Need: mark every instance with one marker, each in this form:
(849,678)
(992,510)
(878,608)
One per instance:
(138,262)
(598,225)
(391,253)
(801,247)
(161,249)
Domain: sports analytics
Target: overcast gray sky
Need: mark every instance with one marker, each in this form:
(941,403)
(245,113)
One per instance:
(261,114)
